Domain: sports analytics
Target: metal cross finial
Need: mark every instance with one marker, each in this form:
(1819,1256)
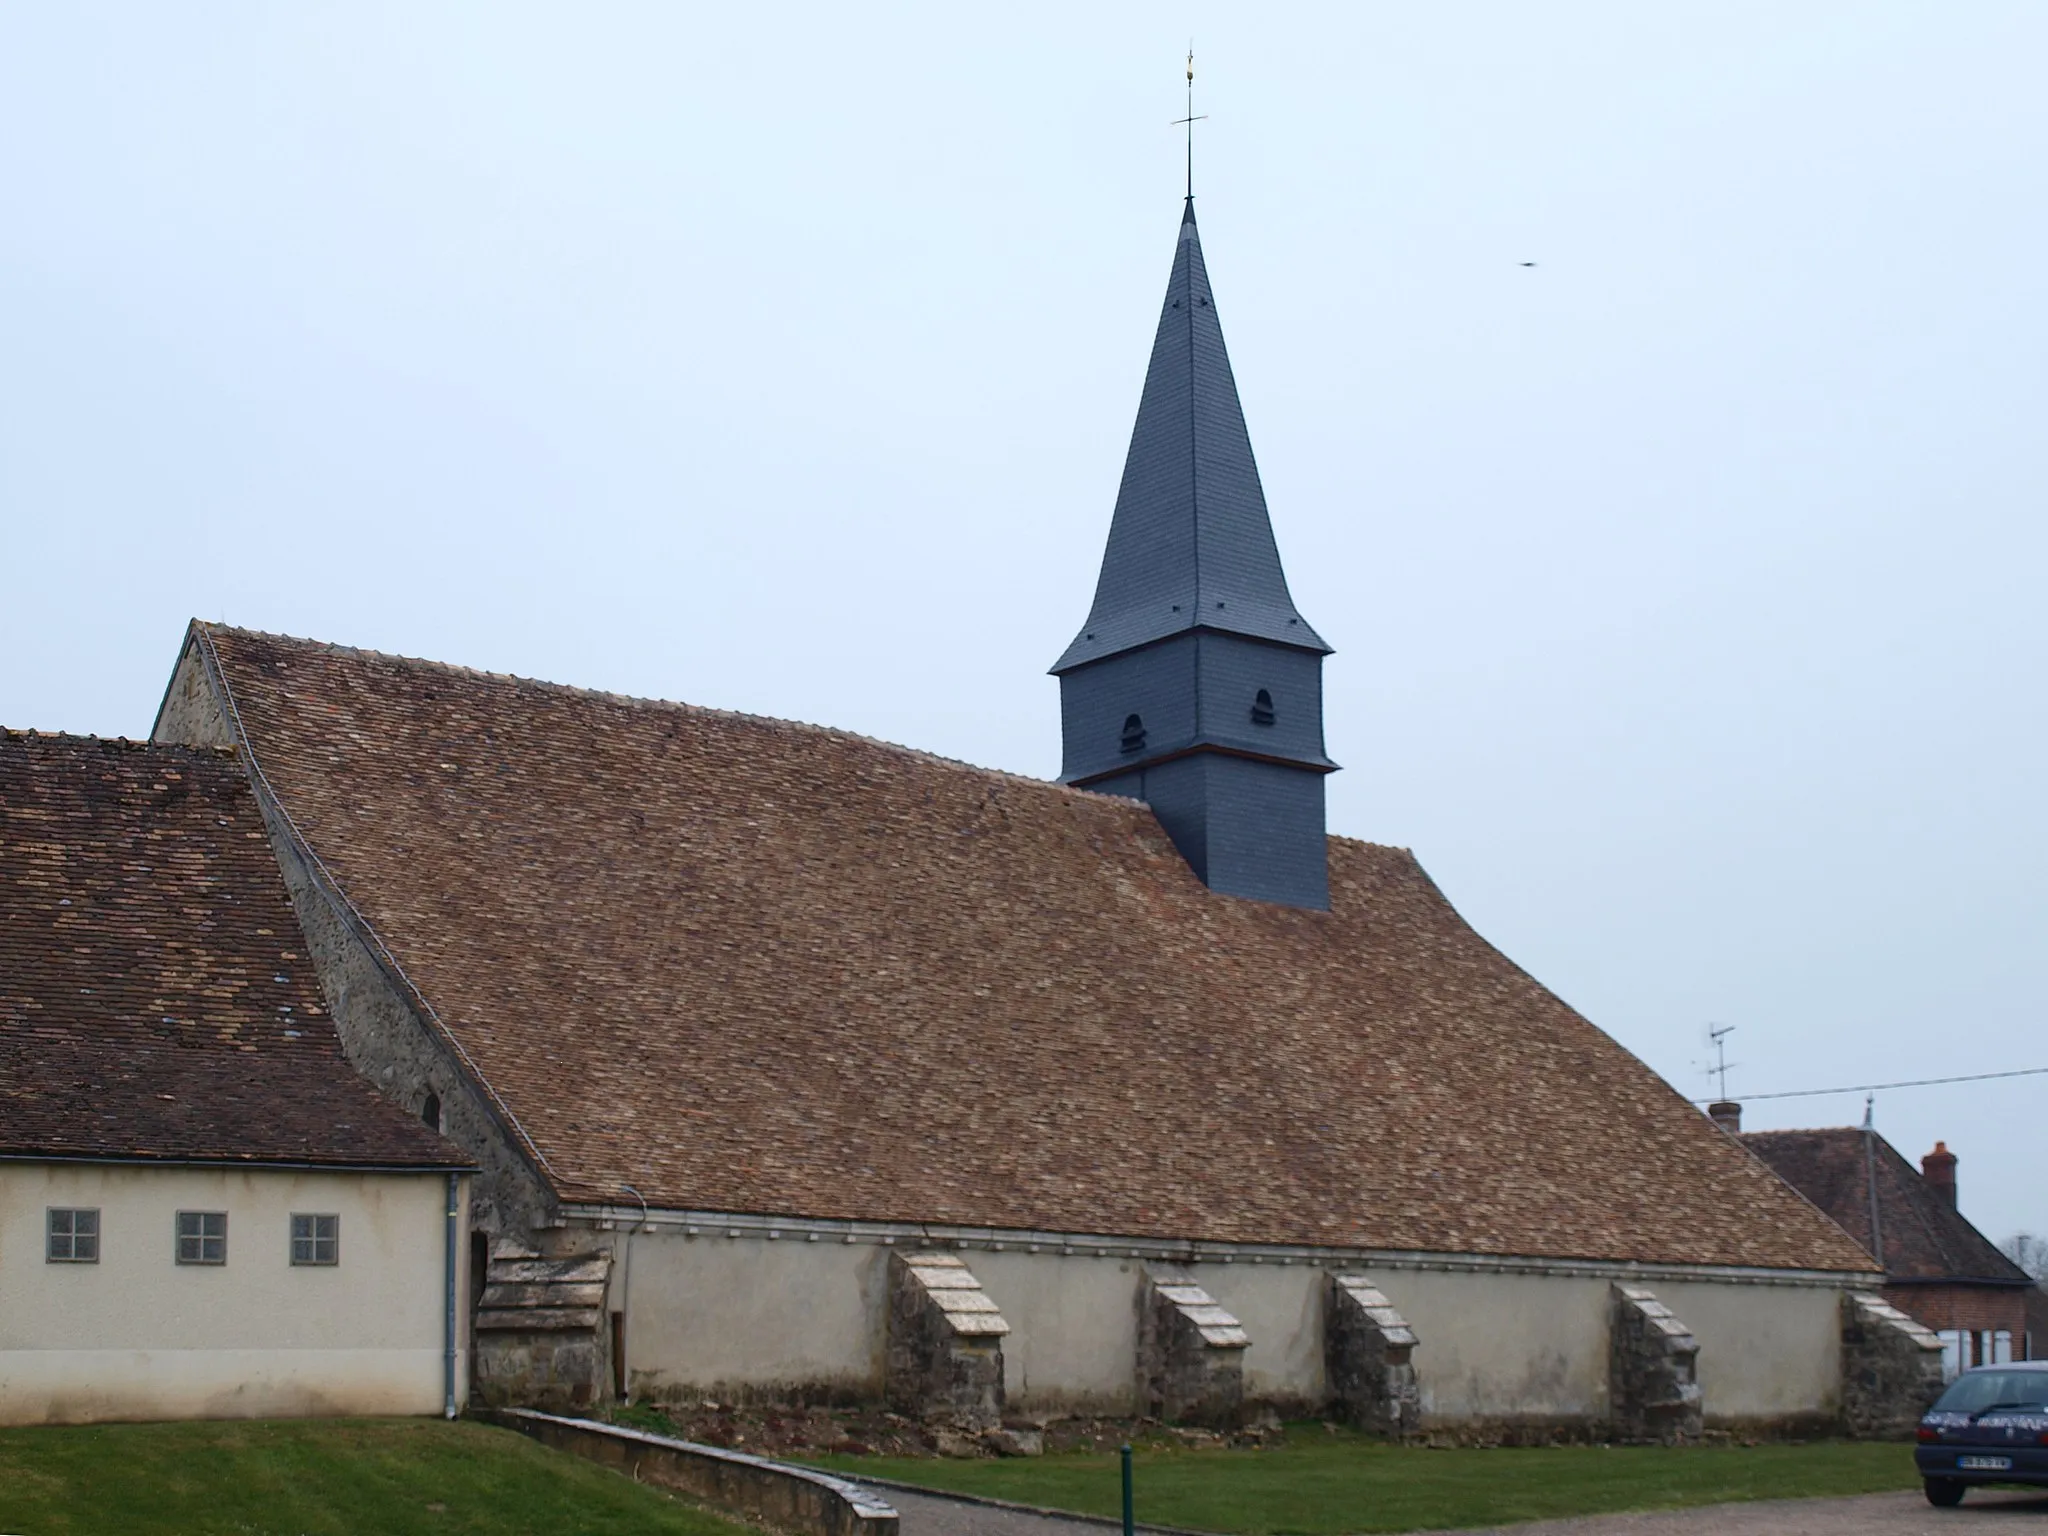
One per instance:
(1190,120)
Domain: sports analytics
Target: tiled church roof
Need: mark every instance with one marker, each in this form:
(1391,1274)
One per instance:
(1924,1237)
(155,998)
(753,966)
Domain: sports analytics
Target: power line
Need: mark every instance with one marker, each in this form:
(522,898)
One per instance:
(1918,1082)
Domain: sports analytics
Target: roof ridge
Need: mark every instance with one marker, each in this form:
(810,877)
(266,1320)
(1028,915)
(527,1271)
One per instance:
(683,706)
(136,744)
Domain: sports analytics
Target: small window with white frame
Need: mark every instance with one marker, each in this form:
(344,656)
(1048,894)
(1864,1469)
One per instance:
(73,1235)
(202,1237)
(316,1239)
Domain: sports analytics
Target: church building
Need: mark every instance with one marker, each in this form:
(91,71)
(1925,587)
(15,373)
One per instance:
(801,1065)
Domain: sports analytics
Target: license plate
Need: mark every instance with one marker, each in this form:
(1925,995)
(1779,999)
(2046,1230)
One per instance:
(1984,1463)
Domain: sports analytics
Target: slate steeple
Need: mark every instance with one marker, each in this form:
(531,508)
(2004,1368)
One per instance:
(1196,685)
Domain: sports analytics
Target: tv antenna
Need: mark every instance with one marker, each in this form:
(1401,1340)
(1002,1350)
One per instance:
(1718,1034)
(1190,120)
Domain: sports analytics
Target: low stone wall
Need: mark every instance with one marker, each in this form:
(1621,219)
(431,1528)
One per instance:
(787,1498)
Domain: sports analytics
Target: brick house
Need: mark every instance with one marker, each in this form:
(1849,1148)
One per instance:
(1939,1269)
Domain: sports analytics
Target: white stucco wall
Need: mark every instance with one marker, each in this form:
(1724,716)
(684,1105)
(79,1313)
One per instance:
(1762,1348)
(751,1316)
(139,1336)
(713,1314)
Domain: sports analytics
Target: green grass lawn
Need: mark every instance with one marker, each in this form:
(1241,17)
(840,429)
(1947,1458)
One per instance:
(394,1477)
(1319,1484)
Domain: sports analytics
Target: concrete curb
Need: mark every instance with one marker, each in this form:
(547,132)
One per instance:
(790,1497)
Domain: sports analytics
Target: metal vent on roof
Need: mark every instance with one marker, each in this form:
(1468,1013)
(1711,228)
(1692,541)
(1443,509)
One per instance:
(1262,708)
(1134,735)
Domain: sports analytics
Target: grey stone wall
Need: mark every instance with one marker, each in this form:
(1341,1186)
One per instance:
(1653,1376)
(1190,1352)
(1368,1351)
(1891,1368)
(945,1352)
(383,1032)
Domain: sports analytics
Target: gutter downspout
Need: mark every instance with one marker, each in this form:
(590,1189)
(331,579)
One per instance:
(626,1297)
(448,1322)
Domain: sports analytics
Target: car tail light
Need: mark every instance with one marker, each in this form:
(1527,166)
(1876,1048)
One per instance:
(2044,1437)
(1927,1435)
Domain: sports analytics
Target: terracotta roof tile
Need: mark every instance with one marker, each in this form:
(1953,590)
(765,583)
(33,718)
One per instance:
(1925,1238)
(155,998)
(753,966)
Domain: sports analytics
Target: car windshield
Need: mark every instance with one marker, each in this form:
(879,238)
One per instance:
(1989,1389)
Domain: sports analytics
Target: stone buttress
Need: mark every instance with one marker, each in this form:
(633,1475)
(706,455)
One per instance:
(1653,1370)
(1190,1353)
(945,1349)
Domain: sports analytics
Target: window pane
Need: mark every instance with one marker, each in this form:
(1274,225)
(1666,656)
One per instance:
(202,1237)
(72,1235)
(315,1239)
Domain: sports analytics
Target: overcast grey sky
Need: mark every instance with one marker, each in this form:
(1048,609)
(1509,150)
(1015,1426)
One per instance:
(1685,586)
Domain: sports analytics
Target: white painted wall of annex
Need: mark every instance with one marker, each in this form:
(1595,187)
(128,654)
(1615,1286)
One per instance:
(139,1336)
(731,1316)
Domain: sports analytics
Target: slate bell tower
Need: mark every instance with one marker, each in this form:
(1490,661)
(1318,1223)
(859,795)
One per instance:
(1195,686)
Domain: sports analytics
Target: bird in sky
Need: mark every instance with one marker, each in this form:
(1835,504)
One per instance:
(1528,263)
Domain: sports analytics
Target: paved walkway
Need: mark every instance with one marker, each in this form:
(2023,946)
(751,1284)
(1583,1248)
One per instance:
(1991,1513)
(929,1515)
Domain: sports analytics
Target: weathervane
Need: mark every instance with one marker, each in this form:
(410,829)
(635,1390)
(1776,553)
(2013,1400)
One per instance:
(1191,119)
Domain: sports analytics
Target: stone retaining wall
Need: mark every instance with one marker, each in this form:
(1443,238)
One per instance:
(788,1498)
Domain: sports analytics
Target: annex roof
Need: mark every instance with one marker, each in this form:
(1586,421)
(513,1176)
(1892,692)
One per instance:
(745,965)
(1190,543)
(1923,1237)
(156,1002)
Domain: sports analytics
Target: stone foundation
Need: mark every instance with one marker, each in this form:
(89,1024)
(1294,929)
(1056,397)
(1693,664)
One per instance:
(1367,1349)
(1891,1369)
(1190,1353)
(945,1351)
(1652,1365)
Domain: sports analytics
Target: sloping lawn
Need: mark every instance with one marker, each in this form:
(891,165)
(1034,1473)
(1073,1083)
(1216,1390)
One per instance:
(1319,1484)
(322,1477)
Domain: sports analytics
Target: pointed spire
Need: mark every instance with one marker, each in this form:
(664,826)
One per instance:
(1190,545)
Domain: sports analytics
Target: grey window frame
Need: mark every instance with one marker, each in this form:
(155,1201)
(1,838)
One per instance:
(202,1237)
(70,1238)
(313,1239)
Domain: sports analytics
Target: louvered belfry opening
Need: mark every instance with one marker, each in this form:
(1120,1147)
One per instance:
(1192,619)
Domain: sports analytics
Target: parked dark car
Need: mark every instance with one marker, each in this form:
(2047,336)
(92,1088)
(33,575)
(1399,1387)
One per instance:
(1990,1426)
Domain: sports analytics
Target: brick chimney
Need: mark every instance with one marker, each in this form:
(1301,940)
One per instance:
(1726,1114)
(1938,1168)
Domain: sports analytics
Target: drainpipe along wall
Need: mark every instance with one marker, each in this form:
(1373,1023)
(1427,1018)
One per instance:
(448,1321)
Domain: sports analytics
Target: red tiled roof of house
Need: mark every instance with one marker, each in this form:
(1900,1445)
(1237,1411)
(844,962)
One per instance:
(1924,1237)
(746,965)
(155,998)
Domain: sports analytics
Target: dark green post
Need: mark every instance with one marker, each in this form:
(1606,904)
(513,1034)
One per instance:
(1128,1526)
